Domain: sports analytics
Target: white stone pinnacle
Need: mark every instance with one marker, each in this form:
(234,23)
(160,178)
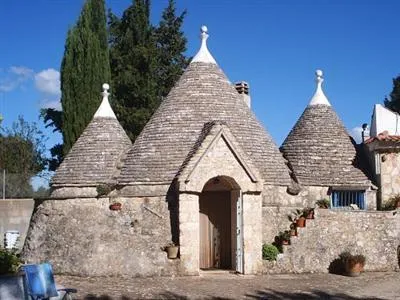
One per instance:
(204,55)
(105,110)
(319,96)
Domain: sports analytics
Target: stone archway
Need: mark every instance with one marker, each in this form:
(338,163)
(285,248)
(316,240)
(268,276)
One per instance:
(217,223)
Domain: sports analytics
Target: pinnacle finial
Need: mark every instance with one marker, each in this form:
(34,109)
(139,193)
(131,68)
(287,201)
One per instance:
(320,77)
(204,55)
(319,96)
(105,109)
(105,92)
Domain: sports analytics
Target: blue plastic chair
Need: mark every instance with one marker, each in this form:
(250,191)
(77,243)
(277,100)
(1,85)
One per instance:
(41,285)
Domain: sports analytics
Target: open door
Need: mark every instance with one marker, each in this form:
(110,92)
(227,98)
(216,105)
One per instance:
(239,233)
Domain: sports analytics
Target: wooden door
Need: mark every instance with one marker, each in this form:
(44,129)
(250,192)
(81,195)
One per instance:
(215,230)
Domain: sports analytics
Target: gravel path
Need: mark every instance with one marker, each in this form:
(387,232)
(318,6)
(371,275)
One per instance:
(230,286)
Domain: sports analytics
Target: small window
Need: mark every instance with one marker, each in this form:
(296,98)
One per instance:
(347,199)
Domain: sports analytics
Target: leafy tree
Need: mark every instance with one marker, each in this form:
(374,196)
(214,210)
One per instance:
(393,102)
(145,62)
(85,67)
(53,118)
(22,155)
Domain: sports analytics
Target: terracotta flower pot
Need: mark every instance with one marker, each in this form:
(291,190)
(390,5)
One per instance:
(301,222)
(285,242)
(355,270)
(172,251)
(116,206)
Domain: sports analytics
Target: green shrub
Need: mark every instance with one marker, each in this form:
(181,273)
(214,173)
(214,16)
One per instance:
(323,203)
(9,262)
(104,189)
(269,252)
(391,203)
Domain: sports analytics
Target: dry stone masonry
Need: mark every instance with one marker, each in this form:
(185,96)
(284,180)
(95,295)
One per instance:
(202,148)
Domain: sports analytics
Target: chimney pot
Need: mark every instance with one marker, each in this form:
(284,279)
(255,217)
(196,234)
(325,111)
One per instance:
(242,88)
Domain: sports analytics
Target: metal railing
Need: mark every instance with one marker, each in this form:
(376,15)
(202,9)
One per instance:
(348,199)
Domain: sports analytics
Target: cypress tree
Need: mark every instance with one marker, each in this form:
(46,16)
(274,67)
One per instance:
(85,67)
(393,102)
(145,62)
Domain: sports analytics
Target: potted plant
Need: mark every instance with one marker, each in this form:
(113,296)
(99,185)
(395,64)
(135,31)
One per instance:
(11,279)
(293,229)
(308,213)
(298,218)
(172,250)
(115,206)
(353,264)
(284,237)
(323,203)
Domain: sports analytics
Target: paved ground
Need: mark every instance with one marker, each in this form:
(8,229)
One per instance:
(230,286)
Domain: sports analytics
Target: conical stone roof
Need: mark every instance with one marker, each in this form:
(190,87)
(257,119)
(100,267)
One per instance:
(94,157)
(202,94)
(319,149)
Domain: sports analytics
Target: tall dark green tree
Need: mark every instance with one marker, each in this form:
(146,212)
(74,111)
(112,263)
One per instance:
(133,57)
(85,67)
(145,62)
(393,102)
(171,45)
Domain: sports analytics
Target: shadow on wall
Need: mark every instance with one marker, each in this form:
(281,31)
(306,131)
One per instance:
(398,255)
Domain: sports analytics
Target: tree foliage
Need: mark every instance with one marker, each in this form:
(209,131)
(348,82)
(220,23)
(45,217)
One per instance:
(22,155)
(85,67)
(393,102)
(145,62)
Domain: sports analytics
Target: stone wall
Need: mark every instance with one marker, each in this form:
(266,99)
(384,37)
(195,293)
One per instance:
(15,215)
(277,205)
(84,237)
(371,233)
(390,175)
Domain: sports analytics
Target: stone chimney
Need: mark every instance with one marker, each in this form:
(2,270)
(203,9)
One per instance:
(242,88)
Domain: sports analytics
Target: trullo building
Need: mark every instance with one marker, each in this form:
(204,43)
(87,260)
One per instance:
(203,174)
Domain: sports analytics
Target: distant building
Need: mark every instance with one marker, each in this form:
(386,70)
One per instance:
(383,147)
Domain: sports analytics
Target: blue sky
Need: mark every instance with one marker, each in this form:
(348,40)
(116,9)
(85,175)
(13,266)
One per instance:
(273,45)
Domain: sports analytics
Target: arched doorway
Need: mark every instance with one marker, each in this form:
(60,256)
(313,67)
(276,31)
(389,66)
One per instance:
(218,223)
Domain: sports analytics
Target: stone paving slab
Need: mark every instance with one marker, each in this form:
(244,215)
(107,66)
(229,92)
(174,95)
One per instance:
(231,286)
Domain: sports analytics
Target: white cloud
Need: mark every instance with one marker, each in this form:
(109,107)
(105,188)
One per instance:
(21,71)
(356,133)
(48,82)
(51,103)
(14,77)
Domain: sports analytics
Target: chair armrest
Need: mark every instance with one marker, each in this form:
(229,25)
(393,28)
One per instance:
(68,290)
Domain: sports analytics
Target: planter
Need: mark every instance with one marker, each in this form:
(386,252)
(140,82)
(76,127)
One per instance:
(12,287)
(172,251)
(310,214)
(116,206)
(354,270)
(301,222)
(285,242)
